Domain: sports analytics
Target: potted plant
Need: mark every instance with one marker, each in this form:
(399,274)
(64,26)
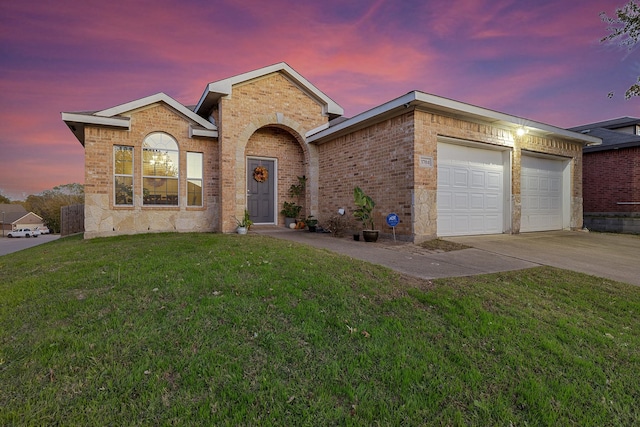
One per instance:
(244,224)
(290,210)
(364,213)
(312,223)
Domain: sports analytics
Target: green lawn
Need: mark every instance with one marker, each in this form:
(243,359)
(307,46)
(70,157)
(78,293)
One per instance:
(209,329)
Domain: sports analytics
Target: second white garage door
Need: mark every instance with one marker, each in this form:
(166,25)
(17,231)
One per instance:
(470,190)
(541,189)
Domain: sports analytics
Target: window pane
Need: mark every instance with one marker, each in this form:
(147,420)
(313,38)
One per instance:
(123,175)
(160,191)
(194,179)
(124,190)
(160,141)
(194,165)
(123,158)
(194,192)
(160,170)
(159,163)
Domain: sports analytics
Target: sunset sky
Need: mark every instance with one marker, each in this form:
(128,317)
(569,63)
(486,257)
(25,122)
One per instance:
(539,60)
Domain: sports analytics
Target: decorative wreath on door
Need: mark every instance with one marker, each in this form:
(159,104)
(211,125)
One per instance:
(260,174)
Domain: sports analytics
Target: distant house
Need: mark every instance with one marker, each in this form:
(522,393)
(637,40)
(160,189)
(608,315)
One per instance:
(611,176)
(15,216)
(442,166)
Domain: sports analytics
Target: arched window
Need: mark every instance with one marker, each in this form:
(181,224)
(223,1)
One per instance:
(160,170)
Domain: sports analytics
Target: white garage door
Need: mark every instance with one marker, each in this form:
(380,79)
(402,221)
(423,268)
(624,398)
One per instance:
(470,190)
(541,189)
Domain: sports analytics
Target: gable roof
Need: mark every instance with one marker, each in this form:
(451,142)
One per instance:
(612,139)
(426,101)
(113,117)
(12,212)
(28,218)
(216,90)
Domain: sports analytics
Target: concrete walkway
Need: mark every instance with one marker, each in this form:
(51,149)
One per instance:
(406,257)
(612,256)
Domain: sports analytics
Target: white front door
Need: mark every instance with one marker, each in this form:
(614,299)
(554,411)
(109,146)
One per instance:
(470,190)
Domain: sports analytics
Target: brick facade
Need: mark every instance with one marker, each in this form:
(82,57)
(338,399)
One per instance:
(383,159)
(103,218)
(269,102)
(275,115)
(611,177)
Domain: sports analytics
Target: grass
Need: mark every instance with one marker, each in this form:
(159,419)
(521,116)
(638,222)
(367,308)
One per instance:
(207,329)
(443,245)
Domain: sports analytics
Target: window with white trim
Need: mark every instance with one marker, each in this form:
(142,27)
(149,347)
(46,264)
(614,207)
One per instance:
(160,170)
(194,179)
(123,175)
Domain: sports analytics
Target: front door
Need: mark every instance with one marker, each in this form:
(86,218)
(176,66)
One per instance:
(261,190)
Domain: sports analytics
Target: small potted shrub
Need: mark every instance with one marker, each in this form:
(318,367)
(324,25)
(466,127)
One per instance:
(312,223)
(244,224)
(290,210)
(364,213)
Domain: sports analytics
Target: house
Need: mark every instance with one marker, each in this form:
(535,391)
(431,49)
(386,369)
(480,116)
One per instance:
(611,176)
(14,216)
(444,167)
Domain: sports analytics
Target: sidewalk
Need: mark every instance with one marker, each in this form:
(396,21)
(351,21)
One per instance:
(405,257)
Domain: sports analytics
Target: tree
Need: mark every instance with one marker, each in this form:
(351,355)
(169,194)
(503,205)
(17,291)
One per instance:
(48,203)
(4,200)
(625,30)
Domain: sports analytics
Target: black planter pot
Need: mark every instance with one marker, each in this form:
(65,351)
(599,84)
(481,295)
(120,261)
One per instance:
(370,235)
(312,229)
(356,237)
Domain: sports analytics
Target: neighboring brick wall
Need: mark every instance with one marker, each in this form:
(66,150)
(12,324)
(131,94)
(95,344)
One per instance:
(269,101)
(103,218)
(610,177)
(383,159)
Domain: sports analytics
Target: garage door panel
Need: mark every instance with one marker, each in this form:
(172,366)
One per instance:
(470,191)
(444,176)
(492,202)
(477,201)
(460,201)
(477,179)
(494,180)
(541,194)
(444,200)
(460,178)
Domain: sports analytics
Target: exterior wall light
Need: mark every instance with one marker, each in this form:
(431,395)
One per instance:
(521,131)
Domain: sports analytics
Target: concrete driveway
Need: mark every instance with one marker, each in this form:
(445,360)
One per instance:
(614,256)
(8,246)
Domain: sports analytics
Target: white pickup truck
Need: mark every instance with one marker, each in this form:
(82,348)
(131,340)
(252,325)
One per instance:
(22,232)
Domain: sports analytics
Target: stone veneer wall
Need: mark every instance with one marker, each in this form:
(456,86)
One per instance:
(269,101)
(383,159)
(102,218)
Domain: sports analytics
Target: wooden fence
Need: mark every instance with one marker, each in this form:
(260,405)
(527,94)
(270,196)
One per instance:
(71,219)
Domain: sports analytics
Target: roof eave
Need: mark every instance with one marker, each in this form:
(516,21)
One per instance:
(421,100)
(76,123)
(153,99)
(595,148)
